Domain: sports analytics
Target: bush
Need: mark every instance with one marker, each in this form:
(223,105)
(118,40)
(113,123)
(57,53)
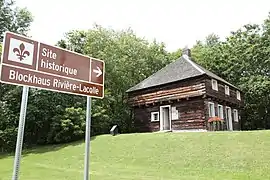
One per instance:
(67,127)
(8,138)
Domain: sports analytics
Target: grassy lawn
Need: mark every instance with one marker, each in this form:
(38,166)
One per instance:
(156,156)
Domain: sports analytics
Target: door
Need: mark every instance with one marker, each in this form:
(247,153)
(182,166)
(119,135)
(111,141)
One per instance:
(165,119)
(229,118)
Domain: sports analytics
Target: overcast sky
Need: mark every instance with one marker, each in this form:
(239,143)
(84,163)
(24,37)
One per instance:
(175,22)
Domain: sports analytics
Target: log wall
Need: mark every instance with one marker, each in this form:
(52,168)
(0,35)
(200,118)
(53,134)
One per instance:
(220,94)
(236,125)
(174,91)
(190,97)
(191,116)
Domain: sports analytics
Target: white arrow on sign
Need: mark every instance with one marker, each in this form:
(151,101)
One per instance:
(98,71)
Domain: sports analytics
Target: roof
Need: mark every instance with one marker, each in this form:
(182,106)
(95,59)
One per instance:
(182,68)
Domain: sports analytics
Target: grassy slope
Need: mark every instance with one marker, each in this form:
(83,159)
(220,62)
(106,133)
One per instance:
(166,156)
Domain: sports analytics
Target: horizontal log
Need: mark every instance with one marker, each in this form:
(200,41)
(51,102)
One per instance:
(194,115)
(190,125)
(185,111)
(182,89)
(191,121)
(173,97)
(169,92)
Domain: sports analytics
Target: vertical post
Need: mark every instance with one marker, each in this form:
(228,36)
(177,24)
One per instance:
(87,139)
(19,144)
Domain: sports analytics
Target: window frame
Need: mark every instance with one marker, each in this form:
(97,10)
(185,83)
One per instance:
(235,115)
(209,107)
(153,115)
(227,90)
(238,95)
(222,111)
(214,84)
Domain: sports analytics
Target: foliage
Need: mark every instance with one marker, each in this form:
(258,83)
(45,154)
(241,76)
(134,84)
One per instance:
(68,126)
(57,118)
(128,58)
(244,60)
(14,19)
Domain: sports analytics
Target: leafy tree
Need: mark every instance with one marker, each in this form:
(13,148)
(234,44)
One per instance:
(243,59)
(56,117)
(128,59)
(14,19)
(176,54)
(68,126)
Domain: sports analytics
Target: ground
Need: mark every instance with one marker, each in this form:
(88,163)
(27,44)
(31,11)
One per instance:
(152,156)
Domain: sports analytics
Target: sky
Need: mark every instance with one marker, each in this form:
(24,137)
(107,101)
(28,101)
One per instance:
(177,23)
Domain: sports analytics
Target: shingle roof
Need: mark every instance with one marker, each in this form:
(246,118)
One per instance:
(178,70)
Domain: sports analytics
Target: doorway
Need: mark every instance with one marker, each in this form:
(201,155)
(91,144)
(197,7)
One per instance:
(165,118)
(229,118)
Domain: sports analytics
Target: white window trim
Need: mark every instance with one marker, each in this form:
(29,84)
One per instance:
(153,115)
(229,118)
(210,115)
(222,111)
(213,84)
(227,92)
(176,111)
(235,115)
(161,118)
(238,95)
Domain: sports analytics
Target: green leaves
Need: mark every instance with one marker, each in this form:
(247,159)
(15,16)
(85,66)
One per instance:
(67,127)
(243,59)
(14,19)
(129,59)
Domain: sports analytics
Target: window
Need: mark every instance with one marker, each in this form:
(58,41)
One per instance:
(235,115)
(229,118)
(220,111)
(211,108)
(238,96)
(175,113)
(214,84)
(154,116)
(227,90)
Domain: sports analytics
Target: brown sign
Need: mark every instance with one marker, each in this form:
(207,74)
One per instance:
(97,69)
(28,62)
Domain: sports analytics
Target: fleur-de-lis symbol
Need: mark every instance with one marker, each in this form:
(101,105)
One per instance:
(21,52)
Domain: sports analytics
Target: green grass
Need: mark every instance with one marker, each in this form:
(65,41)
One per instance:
(156,156)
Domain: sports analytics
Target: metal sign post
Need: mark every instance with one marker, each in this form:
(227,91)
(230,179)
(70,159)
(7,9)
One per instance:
(20,133)
(29,63)
(87,139)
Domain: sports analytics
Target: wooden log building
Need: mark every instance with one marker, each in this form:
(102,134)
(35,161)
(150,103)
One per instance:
(185,96)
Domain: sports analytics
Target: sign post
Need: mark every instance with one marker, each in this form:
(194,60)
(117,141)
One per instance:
(20,133)
(87,139)
(29,63)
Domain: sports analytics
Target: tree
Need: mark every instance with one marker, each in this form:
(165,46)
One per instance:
(243,59)
(129,59)
(57,118)
(14,19)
